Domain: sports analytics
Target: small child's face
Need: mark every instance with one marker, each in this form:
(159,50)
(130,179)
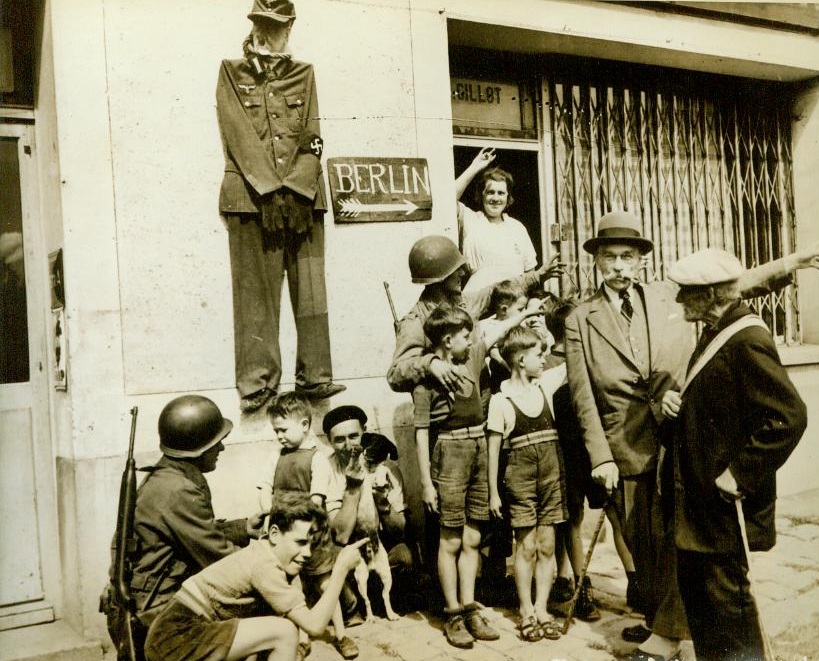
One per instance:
(533,361)
(512,309)
(290,432)
(459,346)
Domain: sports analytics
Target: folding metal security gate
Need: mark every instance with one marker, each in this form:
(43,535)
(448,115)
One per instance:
(702,164)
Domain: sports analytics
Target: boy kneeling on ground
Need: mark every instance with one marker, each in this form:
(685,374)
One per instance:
(224,611)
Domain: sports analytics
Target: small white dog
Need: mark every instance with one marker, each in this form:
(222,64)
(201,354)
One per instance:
(376,448)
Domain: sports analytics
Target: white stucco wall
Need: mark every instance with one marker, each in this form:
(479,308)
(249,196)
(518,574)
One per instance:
(146,258)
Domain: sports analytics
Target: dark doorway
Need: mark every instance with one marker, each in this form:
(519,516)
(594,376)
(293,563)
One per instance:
(523,166)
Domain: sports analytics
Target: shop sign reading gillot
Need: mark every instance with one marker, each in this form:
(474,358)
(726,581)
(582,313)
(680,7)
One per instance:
(370,189)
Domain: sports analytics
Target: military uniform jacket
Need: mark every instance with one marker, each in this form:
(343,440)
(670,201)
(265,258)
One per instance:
(619,410)
(269,123)
(177,534)
(741,412)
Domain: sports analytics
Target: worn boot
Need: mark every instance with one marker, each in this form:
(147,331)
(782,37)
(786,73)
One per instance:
(477,624)
(560,596)
(455,629)
(586,607)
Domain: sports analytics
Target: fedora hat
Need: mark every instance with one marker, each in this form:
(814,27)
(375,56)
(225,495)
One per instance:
(618,227)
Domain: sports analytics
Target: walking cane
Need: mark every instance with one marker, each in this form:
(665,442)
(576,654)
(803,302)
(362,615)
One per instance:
(766,642)
(579,583)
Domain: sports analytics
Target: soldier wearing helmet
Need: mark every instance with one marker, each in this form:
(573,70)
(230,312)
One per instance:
(436,263)
(177,533)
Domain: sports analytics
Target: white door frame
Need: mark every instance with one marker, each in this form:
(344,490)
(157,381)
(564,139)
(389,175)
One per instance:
(36,393)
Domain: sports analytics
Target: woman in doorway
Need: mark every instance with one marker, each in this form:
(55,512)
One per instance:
(496,246)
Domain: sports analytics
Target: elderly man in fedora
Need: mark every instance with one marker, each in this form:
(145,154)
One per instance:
(625,347)
(721,459)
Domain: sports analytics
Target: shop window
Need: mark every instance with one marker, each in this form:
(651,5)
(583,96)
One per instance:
(17,43)
(703,162)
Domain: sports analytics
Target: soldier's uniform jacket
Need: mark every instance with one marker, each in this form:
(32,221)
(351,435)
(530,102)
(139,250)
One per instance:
(741,412)
(269,123)
(176,531)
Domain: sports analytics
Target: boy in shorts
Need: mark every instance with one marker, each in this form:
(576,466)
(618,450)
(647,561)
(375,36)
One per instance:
(521,414)
(224,611)
(298,465)
(454,478)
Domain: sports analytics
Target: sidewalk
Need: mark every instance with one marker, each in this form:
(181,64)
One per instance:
(786,580)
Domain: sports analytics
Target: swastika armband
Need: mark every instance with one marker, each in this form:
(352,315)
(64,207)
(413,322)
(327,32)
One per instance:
(311,143)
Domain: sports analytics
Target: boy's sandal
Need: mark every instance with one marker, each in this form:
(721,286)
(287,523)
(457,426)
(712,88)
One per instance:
(530,629)
(549,629)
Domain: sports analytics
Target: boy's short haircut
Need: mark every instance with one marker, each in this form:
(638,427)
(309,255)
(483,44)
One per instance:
(556,317)
(518,340)
(505,292)
(292,506)
(290,405)
(446,319)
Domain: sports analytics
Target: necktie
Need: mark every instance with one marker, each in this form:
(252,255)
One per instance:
(626,308)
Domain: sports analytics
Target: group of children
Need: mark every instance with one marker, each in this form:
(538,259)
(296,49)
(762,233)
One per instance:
(504,460)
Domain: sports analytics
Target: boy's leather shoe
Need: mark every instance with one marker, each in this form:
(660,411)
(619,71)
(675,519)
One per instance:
(477,624)
(456,632)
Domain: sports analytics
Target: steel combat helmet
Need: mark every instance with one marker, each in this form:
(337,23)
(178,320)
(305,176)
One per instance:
(433,259)
(190,425)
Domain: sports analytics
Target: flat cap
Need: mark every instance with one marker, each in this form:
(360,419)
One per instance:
(706,267)
(342,414)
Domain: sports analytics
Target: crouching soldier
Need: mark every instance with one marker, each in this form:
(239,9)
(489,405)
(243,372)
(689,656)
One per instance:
(175,532)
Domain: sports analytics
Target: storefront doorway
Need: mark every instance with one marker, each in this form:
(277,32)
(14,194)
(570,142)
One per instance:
(29,542)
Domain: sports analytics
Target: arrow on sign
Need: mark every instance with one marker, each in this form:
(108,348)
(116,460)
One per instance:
(352,207)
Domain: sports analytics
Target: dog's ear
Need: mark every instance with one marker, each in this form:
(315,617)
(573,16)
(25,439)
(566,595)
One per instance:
(378,447)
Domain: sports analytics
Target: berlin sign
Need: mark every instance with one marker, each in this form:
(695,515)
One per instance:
(368,189)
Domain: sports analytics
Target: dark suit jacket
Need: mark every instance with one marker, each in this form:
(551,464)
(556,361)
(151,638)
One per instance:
(743,413)
(270,134)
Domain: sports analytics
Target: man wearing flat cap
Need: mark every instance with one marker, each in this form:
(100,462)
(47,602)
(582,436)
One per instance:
(736,420)
(273,201)
(625,347)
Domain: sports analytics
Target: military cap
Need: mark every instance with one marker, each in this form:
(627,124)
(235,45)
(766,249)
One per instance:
(281,11)
(342,414)
(706,267)
(619,227)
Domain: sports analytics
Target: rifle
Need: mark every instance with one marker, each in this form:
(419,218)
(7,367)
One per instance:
(118,604)
(396,322)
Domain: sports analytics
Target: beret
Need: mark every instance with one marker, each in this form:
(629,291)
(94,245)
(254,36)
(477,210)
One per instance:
(342,414)
(706,267)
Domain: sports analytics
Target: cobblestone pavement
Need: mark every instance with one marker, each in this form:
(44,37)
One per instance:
(786,581)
